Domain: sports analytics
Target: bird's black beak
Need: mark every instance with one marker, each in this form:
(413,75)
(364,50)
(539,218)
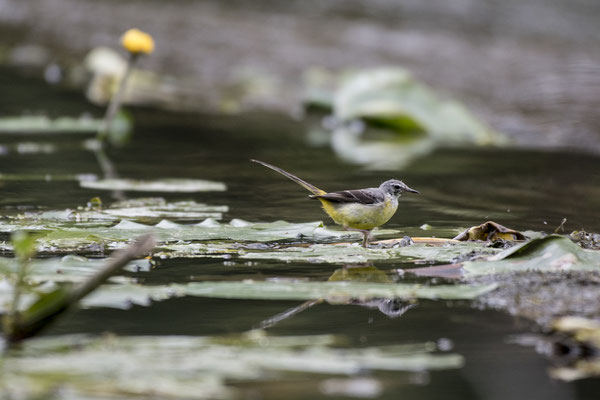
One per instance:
(412,190)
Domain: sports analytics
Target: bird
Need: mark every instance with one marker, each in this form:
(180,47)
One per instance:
(359,210)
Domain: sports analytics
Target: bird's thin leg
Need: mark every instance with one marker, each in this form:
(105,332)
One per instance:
(366,234)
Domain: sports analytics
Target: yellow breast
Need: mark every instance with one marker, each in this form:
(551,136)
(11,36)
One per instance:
(361,216)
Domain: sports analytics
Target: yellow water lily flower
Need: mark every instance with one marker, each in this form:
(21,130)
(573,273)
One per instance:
(137,42)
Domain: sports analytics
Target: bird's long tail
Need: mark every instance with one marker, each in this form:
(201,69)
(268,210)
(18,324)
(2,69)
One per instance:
(311,188)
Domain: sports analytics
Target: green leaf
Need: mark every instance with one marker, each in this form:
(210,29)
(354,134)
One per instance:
(121,128)
(334,292)
(23,245)
(392,97)
(47,177)
(125,295)
(404,118)
(65,239)
(550,253)
(46,308)
(43,125)
(158,208)
(141,209)
(349,254)
(44,275)
(160,185)
(186,367)
(66,269)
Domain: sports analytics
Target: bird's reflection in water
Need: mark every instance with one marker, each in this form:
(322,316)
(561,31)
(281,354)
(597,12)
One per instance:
(393,307)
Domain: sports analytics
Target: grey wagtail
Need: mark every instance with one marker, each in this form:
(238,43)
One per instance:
(358,210)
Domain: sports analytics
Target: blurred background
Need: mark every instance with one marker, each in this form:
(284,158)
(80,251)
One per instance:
(231,80)
(529,68)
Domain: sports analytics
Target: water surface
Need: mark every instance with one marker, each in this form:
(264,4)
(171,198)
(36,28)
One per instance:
(522,189)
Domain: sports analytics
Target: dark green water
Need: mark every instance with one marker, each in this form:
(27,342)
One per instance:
(459,188)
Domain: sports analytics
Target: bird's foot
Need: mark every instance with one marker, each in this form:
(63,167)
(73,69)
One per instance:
(366,235)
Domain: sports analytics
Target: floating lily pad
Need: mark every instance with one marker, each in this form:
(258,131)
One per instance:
(48,177)
(126,295)
(143,209)
(43,276)
(339,253)
(355,254)
(185,367)
(334,292)
(75,238)
(119,131)
(550,253)
(407,118)
(161,185)
(66,269)
(392,97)
(159,208)
(42,124)
(29,148)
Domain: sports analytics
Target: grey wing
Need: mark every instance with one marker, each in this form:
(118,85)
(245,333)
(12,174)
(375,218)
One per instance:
(362,196)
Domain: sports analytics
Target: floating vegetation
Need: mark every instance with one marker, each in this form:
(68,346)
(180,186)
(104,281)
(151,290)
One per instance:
(123,292)
(390,100)
(72,237)
(67,269)
(393,98)
(551,253)
(490,231)
(151,209)
(29,306)
(186,367)
(38,124)
(120,127)
(171,185)
(334,292)
(158,208)
(47,177)
(28,148)
(125,295)
(587,240)
(344,253)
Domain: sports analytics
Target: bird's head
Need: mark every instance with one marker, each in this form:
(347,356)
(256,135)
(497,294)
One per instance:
(396,187)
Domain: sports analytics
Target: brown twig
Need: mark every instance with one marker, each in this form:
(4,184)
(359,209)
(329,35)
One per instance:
(48,307)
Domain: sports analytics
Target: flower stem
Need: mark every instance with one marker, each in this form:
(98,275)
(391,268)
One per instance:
(115,101)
